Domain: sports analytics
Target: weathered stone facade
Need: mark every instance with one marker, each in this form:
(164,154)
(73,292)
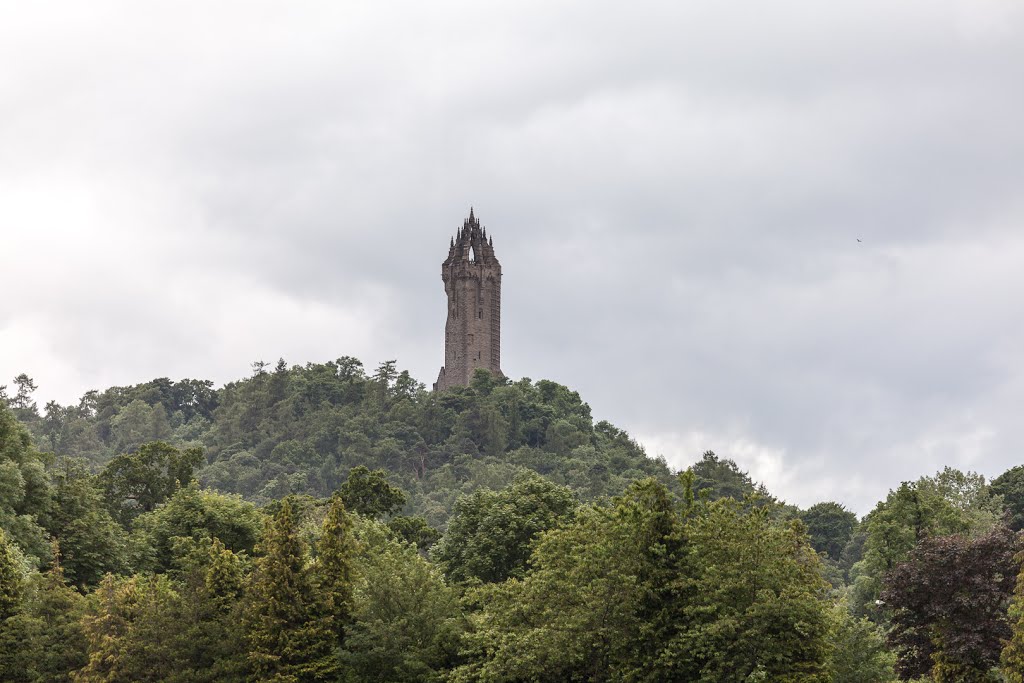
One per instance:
(472,281)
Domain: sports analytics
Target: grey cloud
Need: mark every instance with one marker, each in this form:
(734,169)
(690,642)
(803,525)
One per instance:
(675,192)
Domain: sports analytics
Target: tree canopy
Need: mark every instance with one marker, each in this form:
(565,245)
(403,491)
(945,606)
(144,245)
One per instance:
(319,523)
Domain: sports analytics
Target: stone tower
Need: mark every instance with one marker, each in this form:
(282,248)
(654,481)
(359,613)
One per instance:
(472,281)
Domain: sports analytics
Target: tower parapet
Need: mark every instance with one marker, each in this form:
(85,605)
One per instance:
(472,281)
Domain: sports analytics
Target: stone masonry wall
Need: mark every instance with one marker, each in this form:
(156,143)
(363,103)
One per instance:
(472,282)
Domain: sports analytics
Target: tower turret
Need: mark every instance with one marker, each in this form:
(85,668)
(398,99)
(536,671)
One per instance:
(472,281)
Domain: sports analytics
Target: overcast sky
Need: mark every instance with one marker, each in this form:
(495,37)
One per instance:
(788,232)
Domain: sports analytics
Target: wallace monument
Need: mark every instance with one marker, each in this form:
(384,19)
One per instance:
(472,281)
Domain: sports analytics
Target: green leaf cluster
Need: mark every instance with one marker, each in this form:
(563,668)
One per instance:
(536,545)
(309,429)
(491,533)
(650,590)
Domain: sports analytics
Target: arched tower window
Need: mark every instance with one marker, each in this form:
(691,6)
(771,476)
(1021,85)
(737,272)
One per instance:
(472,254)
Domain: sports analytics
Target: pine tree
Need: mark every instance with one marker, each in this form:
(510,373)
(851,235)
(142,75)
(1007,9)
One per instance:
(334,568)
(289,638)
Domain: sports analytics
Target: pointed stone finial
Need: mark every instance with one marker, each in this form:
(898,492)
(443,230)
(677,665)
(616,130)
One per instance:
(490,241)
(453,242)
(470,214)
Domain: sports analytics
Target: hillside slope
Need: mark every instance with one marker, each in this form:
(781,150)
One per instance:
(300,429)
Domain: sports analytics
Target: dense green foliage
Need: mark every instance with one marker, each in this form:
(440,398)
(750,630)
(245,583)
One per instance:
(830,527)
(289,625)
(10,604)
(859,651)
(92,543)
(24,494)
(951,502)
(1012,656)
(315,523)
(1010,485)
(304,429)
(191,514)
(715,478)
(369,493)
(136,482)
(649,589)
(492,532)
(407,622)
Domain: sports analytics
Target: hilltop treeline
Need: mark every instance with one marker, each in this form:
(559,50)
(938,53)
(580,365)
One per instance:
(317,523)
(300,429)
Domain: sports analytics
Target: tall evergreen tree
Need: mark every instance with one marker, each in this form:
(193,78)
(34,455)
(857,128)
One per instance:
(11,587)
(10,580)
(22,403)
(52,641)
(223,579)
(105,626)
(335,574)
(290,638)
(214,640)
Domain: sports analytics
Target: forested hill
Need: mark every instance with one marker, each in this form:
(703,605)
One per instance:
(301,429)
(552,548)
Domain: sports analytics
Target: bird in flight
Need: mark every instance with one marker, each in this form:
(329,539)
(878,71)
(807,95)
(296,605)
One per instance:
(859,239)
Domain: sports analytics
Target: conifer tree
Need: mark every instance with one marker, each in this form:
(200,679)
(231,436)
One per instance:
(10,580)
(105,627)
(334,568)
(289,638)
(223,580)
(53,642)
(216,637)
(10,605)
